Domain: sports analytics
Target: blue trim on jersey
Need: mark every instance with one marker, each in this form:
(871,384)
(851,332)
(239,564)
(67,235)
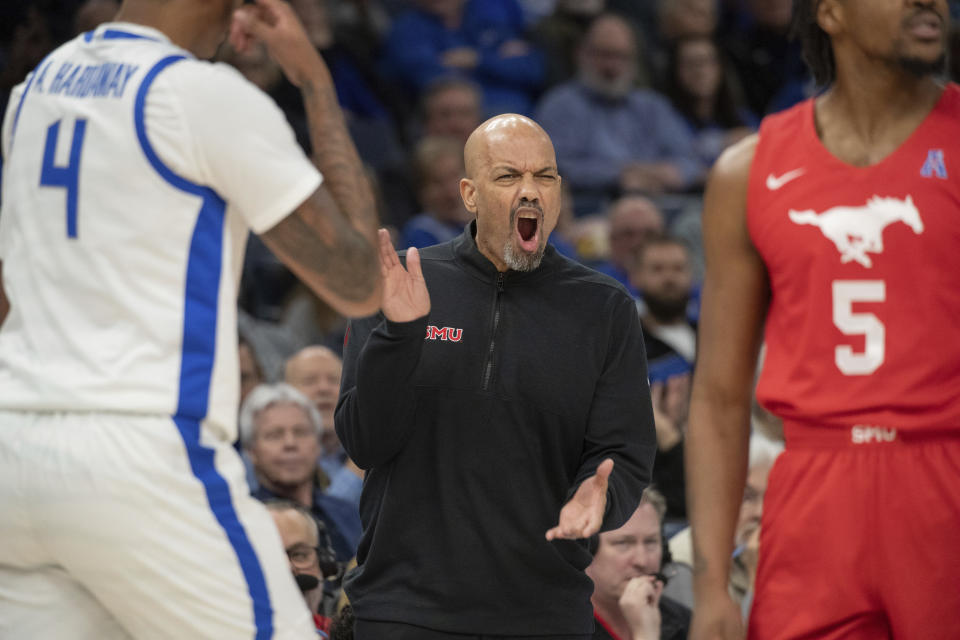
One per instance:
(199,346)
(88,36)
(16,114)
(116,34)
(26,90)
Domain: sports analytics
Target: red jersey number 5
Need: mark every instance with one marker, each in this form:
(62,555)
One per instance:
(845,294)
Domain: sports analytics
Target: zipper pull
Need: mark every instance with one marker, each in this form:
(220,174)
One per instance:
(500,281)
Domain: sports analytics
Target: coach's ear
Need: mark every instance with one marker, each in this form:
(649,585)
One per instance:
(468,191)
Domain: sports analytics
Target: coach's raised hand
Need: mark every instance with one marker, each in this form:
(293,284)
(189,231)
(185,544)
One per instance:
(582,516)
(405,295)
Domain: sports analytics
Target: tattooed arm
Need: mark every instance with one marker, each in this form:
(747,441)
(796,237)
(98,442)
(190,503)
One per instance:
(329,241)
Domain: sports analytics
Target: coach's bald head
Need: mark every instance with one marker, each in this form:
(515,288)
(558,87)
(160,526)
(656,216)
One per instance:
(513,188)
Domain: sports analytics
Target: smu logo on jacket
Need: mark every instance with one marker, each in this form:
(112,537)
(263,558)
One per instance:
(855,231)
(445,334)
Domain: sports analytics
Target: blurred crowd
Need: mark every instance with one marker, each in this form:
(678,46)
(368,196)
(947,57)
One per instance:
(640,97)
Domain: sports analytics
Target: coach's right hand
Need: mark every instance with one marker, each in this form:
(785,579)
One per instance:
(716,617)
(405,295)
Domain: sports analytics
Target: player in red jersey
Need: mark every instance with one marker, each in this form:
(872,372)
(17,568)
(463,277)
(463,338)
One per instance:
(834,235)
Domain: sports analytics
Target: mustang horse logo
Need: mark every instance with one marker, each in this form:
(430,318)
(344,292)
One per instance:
(858,230)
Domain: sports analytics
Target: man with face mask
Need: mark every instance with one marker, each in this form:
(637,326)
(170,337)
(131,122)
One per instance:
(503,418)
(310,554)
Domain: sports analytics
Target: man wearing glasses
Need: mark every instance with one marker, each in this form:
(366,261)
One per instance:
(308,549)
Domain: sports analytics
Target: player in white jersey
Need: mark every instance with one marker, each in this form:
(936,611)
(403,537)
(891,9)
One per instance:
(132,172)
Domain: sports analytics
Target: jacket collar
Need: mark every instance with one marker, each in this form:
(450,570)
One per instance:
(468,254)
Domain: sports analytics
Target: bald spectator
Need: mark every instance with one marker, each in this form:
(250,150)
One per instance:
(452,107)
(439,167)
(280,431)
(315,372)
(612,137)
(633,220)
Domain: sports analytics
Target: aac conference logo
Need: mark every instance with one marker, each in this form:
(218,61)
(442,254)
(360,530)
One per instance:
(445,334)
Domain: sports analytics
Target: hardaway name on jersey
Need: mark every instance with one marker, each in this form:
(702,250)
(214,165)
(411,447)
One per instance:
(132,173)
(864,267)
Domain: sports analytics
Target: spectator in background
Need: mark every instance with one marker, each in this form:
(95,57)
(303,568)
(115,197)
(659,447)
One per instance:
(565,236)
(766,58)
(700,89)
(452,107)
(763,453)
(251,374)
(482,40)
(610,136)
(633,220)
(280,431)
(627,599)
(374,107)
(677,19)
(315,372)
(311,557)
(439,167)
(559,36)
(662,275)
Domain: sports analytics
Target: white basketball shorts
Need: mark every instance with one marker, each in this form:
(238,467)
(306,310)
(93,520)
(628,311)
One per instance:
(118,526)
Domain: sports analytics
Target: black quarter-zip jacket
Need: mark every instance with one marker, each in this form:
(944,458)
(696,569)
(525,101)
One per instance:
(476,424)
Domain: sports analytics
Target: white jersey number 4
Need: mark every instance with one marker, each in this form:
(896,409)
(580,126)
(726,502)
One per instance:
(65,177)
(845,294)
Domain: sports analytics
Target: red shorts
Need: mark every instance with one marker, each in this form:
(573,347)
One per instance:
(861,537)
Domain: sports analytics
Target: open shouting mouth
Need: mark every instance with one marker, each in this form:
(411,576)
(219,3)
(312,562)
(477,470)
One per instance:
(528,222)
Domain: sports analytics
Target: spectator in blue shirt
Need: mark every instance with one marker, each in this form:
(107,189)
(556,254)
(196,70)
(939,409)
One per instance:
(438,163)
(315,372)
(280,430)
(634,221)
(699,86)
(482,40)
(609,135)
(451,107)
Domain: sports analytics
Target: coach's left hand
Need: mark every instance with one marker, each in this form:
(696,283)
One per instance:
(583,515)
